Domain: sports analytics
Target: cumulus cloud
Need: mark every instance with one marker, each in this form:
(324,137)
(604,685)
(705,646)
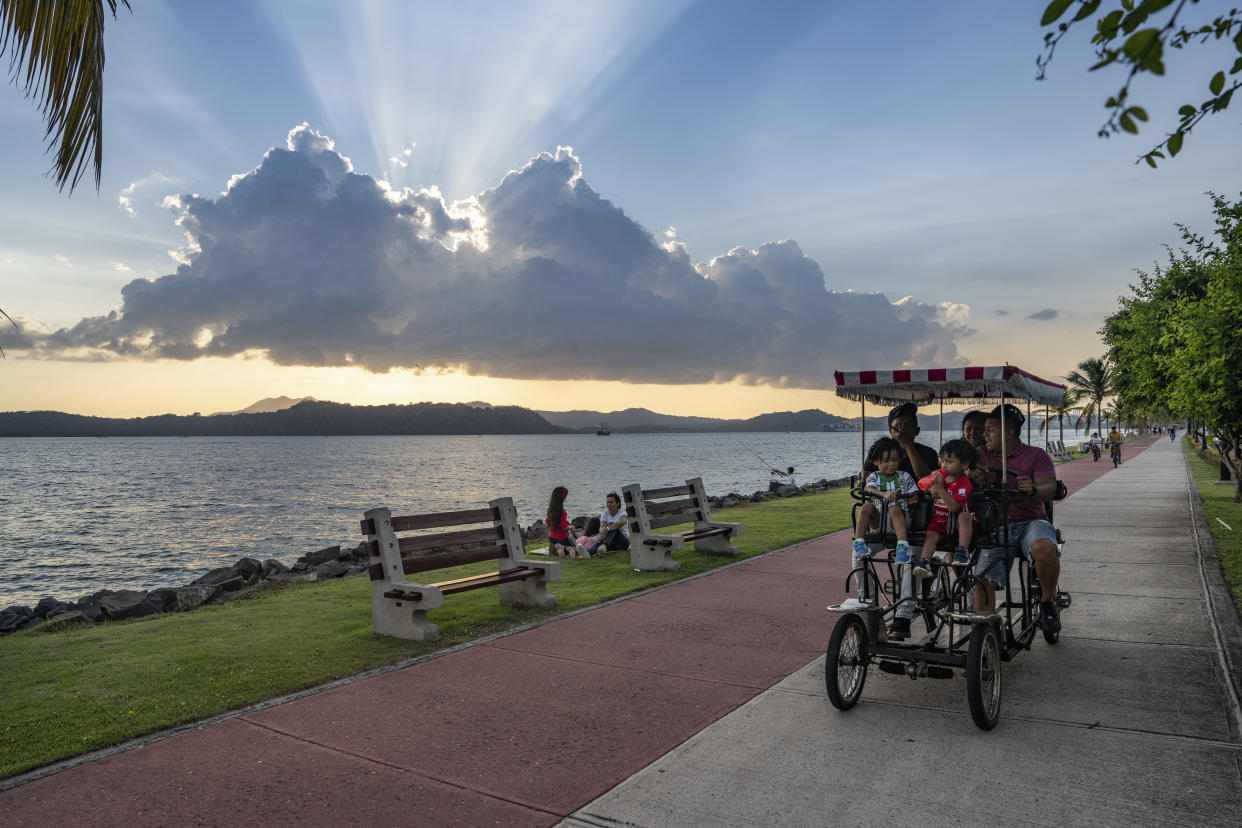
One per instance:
(307,262)
(1046,313)
(125,199)
(63,260)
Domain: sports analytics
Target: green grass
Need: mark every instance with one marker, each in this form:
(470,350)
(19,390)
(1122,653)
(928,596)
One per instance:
(1218,503)
(64,692)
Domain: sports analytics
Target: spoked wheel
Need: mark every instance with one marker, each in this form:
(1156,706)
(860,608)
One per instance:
(983,676)
(845,668)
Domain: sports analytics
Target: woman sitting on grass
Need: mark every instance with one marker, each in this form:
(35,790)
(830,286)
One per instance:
(559,542)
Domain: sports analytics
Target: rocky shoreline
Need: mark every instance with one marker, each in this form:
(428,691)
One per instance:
(243,578)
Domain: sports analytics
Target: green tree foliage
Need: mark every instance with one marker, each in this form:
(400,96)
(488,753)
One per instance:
(1176,342)
(56,52)
(1138,35)
(1090,384)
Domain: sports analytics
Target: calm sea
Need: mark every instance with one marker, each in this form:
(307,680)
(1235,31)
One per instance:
(81,514)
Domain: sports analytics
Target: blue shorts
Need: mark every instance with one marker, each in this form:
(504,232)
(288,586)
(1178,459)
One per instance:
(1022,535)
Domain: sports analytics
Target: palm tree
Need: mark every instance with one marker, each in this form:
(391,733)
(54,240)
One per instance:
(1092,382)
(1067,406)
(58,55)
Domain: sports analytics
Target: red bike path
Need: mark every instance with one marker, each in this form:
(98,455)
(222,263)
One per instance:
(518,730)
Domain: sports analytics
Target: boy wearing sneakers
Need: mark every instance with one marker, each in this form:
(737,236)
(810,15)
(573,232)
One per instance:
(951,489)
(891,488)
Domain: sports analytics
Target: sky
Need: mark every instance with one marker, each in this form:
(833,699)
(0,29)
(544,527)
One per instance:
(699,208)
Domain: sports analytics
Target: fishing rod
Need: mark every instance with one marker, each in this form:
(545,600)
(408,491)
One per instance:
(764,462)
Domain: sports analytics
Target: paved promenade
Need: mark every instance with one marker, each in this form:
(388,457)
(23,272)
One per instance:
(702,703)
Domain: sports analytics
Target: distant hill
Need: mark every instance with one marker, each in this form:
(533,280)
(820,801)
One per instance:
(640,420)
(270,404)
(305,418)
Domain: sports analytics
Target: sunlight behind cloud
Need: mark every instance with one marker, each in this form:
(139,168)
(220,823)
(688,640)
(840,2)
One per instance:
(473,101)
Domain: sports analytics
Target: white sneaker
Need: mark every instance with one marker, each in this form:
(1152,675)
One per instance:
(600,549)
(854,604)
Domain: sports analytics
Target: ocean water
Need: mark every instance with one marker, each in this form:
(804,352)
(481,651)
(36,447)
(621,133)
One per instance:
(81,514)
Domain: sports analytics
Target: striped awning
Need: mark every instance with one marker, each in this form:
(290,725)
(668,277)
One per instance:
(921,385)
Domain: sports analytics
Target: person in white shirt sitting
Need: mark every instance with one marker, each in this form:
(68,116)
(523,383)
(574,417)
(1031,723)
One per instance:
(613,525)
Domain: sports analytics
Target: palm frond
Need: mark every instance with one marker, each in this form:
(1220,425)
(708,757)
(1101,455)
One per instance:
(57,53)
(15,325)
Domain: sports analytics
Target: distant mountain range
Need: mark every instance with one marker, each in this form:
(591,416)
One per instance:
(307,416)
(639,420)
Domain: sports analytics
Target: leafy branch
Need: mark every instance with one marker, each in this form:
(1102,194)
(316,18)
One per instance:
(1143,49)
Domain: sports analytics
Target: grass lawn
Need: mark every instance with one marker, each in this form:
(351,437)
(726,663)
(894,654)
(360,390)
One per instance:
(1218,505)
(65,692)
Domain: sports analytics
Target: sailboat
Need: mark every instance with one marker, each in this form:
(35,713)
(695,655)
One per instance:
(603,430)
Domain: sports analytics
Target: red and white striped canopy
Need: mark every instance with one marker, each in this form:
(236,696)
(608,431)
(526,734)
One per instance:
(919,385)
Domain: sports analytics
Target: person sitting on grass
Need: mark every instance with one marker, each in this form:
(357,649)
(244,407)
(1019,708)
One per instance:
(951,489)
(589,539)
(559,541)
(614,531)
(891,488)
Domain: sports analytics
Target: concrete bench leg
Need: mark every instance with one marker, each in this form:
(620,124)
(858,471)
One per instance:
(717,544)
(644,558)
(533,592)
(402,620)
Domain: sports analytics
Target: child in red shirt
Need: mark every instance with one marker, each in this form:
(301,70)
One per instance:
(951,489)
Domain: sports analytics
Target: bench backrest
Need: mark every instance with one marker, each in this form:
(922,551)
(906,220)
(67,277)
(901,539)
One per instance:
(495,536)
(651,509)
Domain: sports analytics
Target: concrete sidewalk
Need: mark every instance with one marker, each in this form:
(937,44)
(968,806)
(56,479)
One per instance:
(703,703)
(1129,720)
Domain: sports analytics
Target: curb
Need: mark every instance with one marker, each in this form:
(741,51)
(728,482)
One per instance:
(1226,626)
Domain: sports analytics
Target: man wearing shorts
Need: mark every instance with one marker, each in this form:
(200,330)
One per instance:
(1032,475)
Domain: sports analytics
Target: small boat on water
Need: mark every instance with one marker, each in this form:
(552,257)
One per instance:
(603,430)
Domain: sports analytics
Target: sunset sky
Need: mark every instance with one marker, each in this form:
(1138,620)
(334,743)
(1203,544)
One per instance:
(695,207)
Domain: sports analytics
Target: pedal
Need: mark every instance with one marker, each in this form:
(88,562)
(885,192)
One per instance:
(1063,600)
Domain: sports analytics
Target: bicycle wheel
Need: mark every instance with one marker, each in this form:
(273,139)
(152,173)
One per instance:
(983,676)
(845,667)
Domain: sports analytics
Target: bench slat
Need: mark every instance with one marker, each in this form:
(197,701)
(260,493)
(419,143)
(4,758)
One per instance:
(671,506)
(443,560)
(413,543)
(667,491)
(433,520)
(673,520)
(490,579)
(707,533)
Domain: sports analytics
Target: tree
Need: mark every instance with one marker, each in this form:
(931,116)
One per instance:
(1179,334)
(1128,33)
(56,51)
(1091,383)
(1067,406)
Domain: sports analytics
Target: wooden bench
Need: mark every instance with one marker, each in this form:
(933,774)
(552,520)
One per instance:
(399,607)
(655,509)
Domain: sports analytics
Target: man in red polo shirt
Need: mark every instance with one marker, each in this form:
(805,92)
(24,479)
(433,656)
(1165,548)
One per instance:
(1031,473)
